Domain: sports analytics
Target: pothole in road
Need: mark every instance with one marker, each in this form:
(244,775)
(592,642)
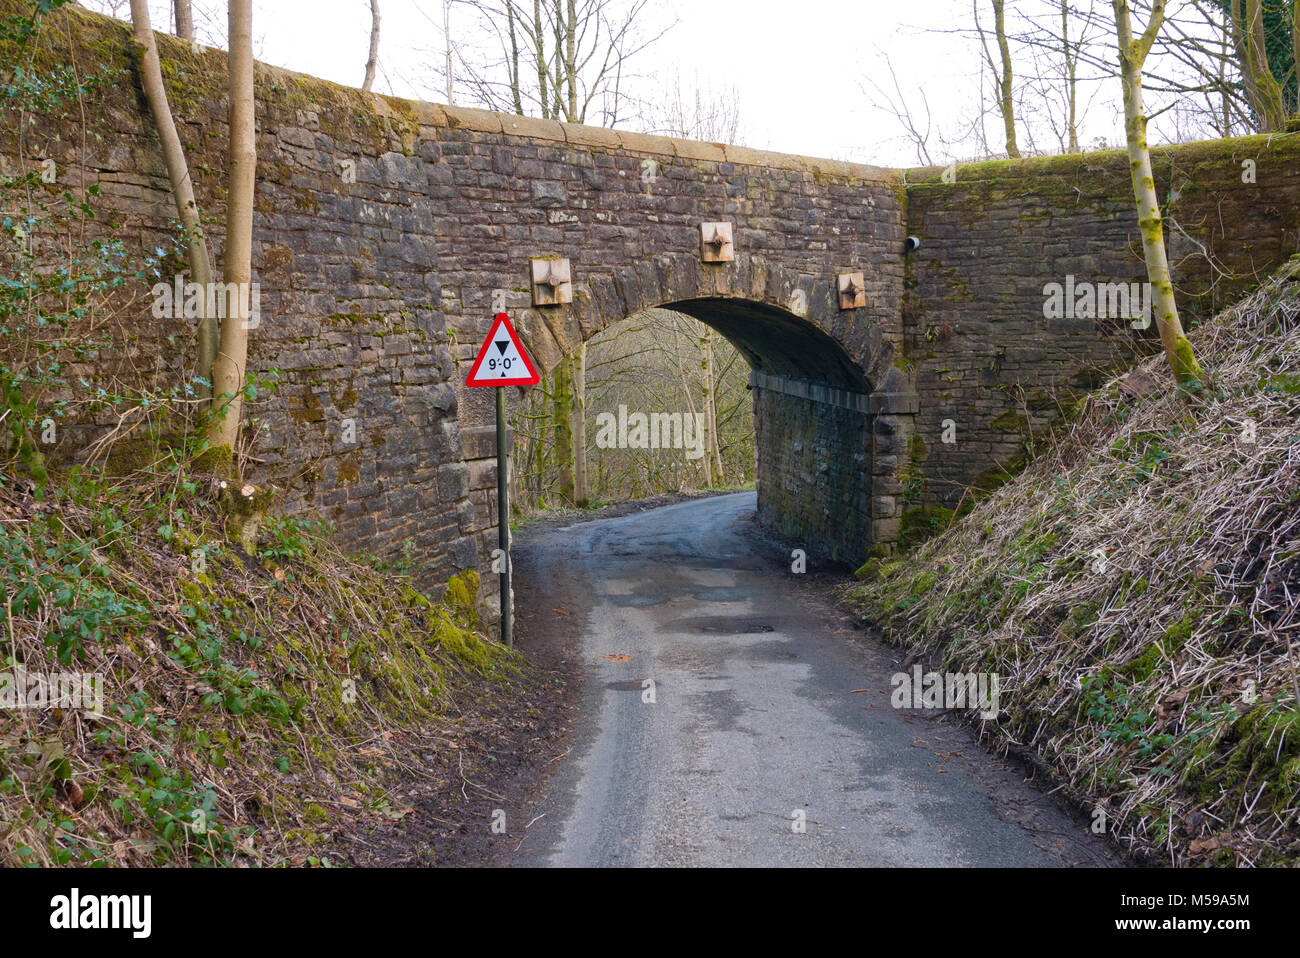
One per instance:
(731,625)
(635,600)
(630,685)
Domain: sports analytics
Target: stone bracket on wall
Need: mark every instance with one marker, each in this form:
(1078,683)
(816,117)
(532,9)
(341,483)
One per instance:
(869,404)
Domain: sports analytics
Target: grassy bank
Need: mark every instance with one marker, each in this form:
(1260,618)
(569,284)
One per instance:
(1137,589)
(255,708)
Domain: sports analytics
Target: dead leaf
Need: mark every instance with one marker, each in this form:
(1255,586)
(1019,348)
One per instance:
(617,657)
(1138,383)
(1202,845)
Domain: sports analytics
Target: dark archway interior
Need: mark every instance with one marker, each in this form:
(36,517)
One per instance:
(774,341)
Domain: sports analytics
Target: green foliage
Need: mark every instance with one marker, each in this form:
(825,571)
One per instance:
(289,539)
(224,682)
(1118,712)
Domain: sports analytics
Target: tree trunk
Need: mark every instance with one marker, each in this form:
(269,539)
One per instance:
(446,36)
(677,333)
(1071,81)
(1132,54)
(184,19)
(516,94)
(581,488)
(373,60)
(1272,109)
(539,54)
(1295,49)
(562,423)
(1262,90)
(571,60)
(232,351)
(178,175)
(1005,101)
(710,405)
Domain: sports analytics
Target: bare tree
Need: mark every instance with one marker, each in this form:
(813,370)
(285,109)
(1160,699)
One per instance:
(559,59)
(446,34)
(178,175)
(232,351)
(695,111)
(1132,53)
(916,122)
(1003,75)
(373,60)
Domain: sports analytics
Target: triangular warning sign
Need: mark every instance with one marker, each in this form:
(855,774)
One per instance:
(506,365)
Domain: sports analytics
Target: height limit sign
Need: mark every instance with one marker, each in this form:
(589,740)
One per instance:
(503,362)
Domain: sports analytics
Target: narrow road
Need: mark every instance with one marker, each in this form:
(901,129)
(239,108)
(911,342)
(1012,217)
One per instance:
(753,728)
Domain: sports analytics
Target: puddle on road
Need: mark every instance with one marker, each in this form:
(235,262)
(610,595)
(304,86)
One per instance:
(738,628)
(728,624)
(729,594)
(624,601)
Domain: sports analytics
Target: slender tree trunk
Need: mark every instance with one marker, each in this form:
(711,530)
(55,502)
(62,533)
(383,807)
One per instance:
(373,60)
(571,60)
(557,80)
(1236,25)
(446,36)
(516,94)
(677,333)
(178,175)
(184,19)
(232,351)
(1132,54)
(1006,101)
(562,422)
(710,404)
(1071,80)
(539,54)
(581,489)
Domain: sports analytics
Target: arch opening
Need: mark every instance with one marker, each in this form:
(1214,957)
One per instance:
(808,404)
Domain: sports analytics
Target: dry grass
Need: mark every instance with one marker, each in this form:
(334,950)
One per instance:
(1137,589)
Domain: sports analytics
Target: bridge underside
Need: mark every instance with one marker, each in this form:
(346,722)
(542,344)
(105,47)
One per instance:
(812,424)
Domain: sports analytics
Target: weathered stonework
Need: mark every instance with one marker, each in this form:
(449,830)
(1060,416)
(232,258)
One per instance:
(981,352)
(387,233)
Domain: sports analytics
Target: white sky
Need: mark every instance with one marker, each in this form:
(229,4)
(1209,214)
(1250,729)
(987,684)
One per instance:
(800,67)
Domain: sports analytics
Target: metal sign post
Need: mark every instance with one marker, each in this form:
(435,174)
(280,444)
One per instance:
(503,521)
(502,362)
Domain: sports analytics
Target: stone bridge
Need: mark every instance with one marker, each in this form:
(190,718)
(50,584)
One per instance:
(385,231)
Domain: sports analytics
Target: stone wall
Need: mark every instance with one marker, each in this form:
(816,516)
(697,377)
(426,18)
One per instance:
(382,231)
(981,352)
(385,231)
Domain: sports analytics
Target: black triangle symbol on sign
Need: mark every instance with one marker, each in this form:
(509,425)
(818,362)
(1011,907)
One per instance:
(501,346)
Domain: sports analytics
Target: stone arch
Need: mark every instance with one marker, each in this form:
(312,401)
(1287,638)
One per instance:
(783,322)
(826,393)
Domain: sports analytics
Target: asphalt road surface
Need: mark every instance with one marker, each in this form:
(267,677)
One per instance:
(754,748)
